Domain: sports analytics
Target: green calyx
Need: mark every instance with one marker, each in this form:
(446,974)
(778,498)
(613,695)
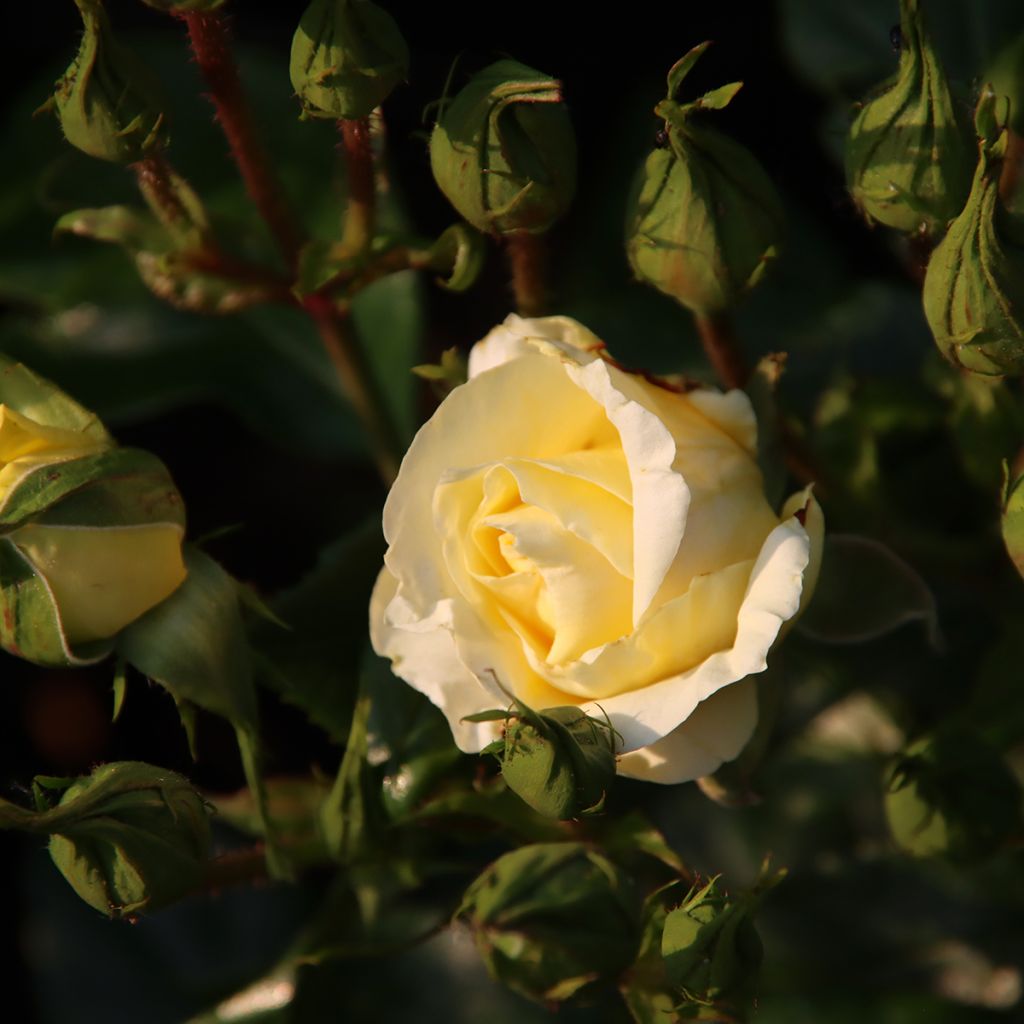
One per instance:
(129,838)
(952,795)
(503,150)
(974,287)
(551,918)
(347,56)
(108,101)
(908,153)
(559,761)
(705,219)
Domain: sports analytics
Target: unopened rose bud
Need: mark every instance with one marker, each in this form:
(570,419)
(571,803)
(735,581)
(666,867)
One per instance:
(951,795)
(551,918)
(92,533)
(347,55)
(908,153)
(711,948)
(559,761)
(974,287)
(130,837)
(705,220)
(108,101)
(503,150)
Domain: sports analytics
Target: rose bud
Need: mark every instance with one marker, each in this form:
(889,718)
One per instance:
(951,794)
(705,219)
(711,948)
(347,56)
(908,153)
(92,533)
(974,286)
(561,762)
(565,533)
(108,100)
(552,918)
(503,150)
(130,837)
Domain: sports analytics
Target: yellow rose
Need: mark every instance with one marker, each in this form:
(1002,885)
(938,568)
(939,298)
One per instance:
(90,534)
(570,533)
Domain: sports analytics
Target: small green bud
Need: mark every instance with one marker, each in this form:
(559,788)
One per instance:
(951,794)
(974,287)
(347,55)
(130,837)
(705,219)
(559,761)
(108,101)
(908,153)
(503,150)
(711,948)
(551,918)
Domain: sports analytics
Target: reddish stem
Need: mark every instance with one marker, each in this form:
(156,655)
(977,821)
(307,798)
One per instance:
(357,145)
(209,38)
(722,350)
(528,262)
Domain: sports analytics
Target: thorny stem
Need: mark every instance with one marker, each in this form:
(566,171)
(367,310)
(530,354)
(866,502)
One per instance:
(357,146)
(240,867)
(527,259)
(721,348)
(155,178)
(350,363)
(209,38)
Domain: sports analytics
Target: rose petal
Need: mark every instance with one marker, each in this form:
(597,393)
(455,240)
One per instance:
(717,731)
(519,337)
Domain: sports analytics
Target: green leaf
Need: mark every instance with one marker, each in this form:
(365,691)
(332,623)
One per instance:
(866,591)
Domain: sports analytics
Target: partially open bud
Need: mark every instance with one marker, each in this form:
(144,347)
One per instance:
(91,533)
(711,948)
(951,794)
(705,219)
(503,150)
(551,918)
(347,55)
(130,837)
(974,287)
(108,101)
(908,154)
(559,761)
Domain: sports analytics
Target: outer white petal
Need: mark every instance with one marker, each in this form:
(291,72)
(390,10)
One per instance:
(518,337)
(423,653)
(717,731)
(645,716)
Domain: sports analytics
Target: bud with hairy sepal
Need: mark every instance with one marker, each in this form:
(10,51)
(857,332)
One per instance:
(91,533)
(560,761)
(503,150)
(705,220)
(108,101)
(552,918)
(908,154)
(951,794)
(711,948)
(347,55)
(974,287)
(129,838)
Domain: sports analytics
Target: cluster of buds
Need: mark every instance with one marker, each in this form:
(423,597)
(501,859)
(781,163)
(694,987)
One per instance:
(705,220)
(92,533)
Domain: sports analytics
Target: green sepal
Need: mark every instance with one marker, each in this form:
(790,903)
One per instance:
(43,402)
(1013,518)
(194,645)
(457,256)
(503,150)
(120,685)
(347,56)
(108,101)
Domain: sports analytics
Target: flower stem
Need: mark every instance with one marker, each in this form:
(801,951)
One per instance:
(357,146)
(357,382)
(720,346)
(527,258)
(209,38)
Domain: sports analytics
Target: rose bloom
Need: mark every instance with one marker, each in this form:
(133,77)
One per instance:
(569,533)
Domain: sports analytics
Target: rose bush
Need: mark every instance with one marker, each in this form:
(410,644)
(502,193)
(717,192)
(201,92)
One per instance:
(571,533)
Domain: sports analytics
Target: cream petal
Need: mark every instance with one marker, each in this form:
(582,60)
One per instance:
(644,716)
(717,731)
(519,336)
(423,653)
